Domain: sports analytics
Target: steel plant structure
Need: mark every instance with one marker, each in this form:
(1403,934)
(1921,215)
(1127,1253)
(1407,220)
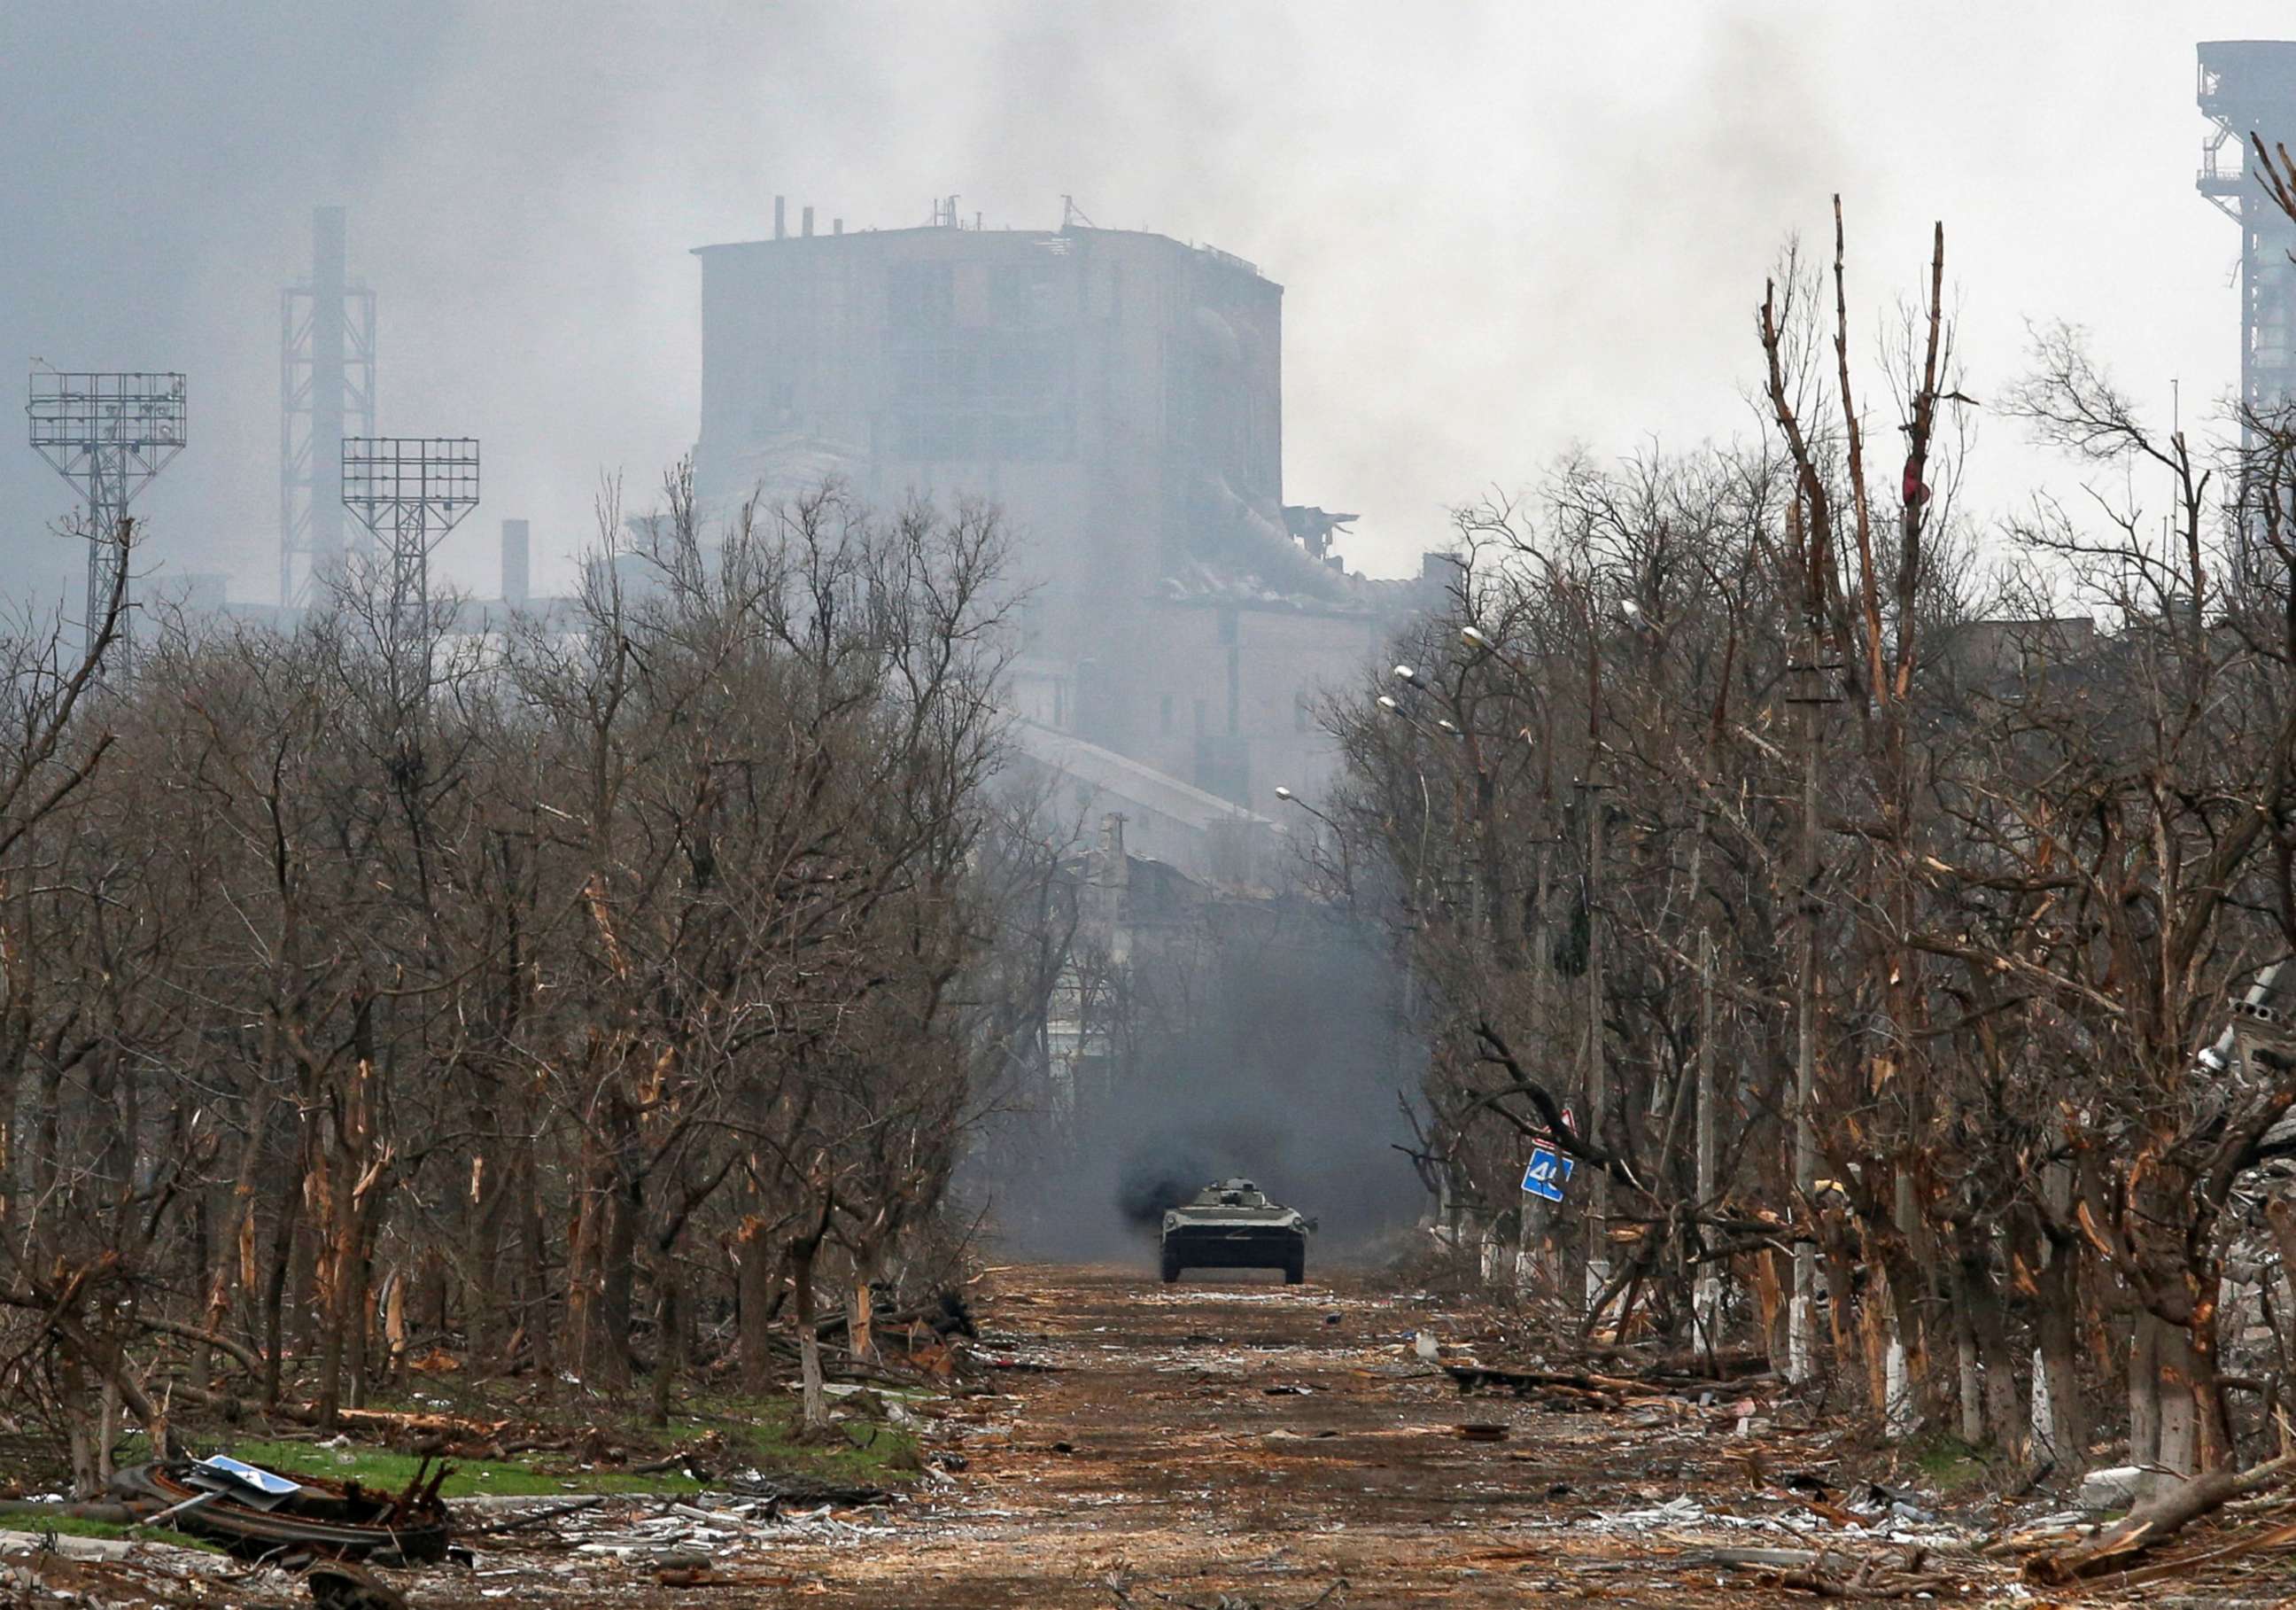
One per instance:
(1118,396)
(108,435)
(409,492)
(2247,87)
(326,388)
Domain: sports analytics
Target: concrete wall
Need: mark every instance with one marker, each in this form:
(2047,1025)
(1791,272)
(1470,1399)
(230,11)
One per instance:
(1231,704)
(1105,388)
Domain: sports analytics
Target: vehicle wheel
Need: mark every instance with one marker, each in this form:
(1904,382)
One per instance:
(1171,1268)
(1295,1268)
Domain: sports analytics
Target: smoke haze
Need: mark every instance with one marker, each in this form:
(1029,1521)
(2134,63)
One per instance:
(1284,1065)
(1502,228)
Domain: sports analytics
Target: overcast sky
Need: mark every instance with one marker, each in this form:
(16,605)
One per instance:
(1502,227)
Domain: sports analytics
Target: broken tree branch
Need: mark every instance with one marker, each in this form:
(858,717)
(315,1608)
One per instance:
(2153,1523)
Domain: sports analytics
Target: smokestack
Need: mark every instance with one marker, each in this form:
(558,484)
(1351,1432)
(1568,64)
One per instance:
(805,223)
(514,563)
(781,226)
(836,226)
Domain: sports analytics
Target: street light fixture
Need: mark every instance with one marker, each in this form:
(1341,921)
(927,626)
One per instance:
(1476,638)
(1347,868)
(1404,673)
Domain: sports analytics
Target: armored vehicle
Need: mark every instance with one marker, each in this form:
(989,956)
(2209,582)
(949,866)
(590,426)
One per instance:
(1231,1225)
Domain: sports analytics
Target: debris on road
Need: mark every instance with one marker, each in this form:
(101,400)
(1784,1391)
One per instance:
(1120,1586)
(2155,1520)
(335,1585)
(260,1514)
(1897,1573)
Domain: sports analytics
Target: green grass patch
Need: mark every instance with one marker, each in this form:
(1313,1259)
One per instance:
(741,1431)
(72,1525)
(765,1431)
(384,1471)
(1948,1462)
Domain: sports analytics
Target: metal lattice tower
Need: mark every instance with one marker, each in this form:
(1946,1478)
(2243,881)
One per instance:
(409,492)
(326,390)
(108,435)
(2248,87)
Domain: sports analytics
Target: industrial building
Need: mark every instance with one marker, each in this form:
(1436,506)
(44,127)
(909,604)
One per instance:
(1119,396)
(2247,87)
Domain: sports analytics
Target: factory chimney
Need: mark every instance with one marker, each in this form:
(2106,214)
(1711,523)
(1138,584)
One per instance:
(514,584)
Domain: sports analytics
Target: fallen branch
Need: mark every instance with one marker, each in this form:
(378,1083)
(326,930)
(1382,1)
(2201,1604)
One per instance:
(570,1507)
(245,1356)
(1759,1559)
(1873,1577)
(1609,1389)
(405,1422)
(2150,1525)
(2268,1539)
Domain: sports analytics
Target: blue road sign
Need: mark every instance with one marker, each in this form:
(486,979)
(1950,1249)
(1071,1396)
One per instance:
(1548,1171)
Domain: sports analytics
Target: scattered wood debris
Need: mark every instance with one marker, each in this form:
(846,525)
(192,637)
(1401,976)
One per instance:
(1891,1574)
(2156,1521)
(1119,1584)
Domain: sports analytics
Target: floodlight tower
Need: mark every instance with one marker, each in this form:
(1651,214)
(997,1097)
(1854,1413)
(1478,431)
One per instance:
(409,492)
(108,435)
(2248,87)
(326,389)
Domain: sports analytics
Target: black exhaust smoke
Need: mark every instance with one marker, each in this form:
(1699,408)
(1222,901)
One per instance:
(1151,1182)
(1270,1047)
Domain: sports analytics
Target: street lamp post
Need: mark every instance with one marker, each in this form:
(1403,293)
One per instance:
(1426,801)
(1347,866)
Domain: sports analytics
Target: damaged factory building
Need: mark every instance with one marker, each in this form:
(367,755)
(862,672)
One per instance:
(1119,396)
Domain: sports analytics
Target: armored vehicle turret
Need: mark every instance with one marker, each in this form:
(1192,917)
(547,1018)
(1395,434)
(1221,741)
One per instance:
(1231,1225)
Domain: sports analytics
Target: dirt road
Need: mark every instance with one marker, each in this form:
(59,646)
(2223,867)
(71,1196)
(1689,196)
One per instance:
(1231,1435)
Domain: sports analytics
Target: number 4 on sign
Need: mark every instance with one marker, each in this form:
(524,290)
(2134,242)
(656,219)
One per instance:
(1546,1175)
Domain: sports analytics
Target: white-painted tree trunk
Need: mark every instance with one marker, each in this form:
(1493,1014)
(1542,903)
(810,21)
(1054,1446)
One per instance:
(2044,1422)
(1898,1414)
